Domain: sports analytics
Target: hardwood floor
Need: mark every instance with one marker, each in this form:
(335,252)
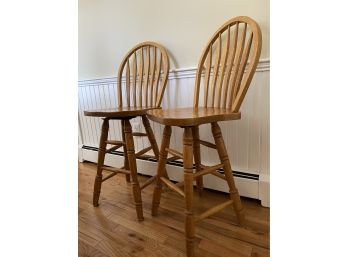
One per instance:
(112,228)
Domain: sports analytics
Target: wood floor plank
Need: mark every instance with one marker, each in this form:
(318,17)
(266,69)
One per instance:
(113,230)
(223,251)
(85,250)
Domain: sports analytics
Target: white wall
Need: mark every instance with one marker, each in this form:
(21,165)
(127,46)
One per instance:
(109,28)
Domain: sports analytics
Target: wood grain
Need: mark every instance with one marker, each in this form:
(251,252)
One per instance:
(230,74)
(119,112)
(235,83)
(133,169)
(188,188)
(112,229)
(101,157)
(131,109)
(191,116)
(148,54)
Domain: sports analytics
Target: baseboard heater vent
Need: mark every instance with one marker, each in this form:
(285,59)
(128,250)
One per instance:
(177,163)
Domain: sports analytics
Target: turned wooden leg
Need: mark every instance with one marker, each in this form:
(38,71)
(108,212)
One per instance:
(197,157)
(234,195)
(160,169)
(188,187)
(126,164)
(152,140)
(133,169)
(101,157)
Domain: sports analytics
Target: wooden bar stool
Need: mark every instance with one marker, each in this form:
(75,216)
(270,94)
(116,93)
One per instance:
(145,68)
(227,66)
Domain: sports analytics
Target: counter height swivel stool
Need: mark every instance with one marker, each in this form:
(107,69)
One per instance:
(227,66)
(145,68)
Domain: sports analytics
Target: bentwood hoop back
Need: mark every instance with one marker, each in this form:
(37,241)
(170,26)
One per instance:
(143,67)
(228,64)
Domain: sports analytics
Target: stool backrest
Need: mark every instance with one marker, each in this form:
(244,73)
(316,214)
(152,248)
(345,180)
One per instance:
(228,64)
(145,69)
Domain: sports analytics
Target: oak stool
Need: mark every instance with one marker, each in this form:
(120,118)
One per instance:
(225,71)
(145,68)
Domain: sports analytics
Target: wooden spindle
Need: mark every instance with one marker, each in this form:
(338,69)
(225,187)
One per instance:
(165,68)
(158,74)
(147,71)
(230,65)
(153,71)
(236,68)
(243,64)
(207,77)
(141,75)
(128,83)
(216,72)
(222,73)
(257,44)
(135,80)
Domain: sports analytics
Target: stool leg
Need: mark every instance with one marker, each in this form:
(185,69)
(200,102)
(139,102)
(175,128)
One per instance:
(101,157)
(197,157)
(234,195)
(152,140)
(160,169)
(133,169)
(188,187)
(126,163)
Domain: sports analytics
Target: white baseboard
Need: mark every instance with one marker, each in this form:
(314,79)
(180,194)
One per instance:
(80,153)
(264,192)
(246,187)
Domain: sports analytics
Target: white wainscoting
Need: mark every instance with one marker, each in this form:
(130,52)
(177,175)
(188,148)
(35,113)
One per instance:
(247,140)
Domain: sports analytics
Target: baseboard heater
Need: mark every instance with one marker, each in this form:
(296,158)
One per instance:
(238,174)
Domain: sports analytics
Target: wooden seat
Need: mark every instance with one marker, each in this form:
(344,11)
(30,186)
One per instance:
(119,112)
(145,71)
(224,73)
(192,116)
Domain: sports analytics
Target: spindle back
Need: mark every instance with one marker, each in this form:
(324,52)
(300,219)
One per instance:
(223,68)
(145,68)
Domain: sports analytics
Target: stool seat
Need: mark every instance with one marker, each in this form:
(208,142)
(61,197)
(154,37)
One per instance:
(119,112)
(191,116)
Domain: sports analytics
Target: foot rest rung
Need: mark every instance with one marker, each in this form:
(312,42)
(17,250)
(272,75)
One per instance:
(141,152)
(110,176)
(147,182)
(218,174)
(173,158)
(113,148)
(116,170)
(172,186)
(207,144)
(175,153)
(180,184)
(115,142)
(139,134)
(207,170)
(213,210)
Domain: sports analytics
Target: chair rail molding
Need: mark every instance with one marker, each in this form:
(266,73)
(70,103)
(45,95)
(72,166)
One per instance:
(247,140)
